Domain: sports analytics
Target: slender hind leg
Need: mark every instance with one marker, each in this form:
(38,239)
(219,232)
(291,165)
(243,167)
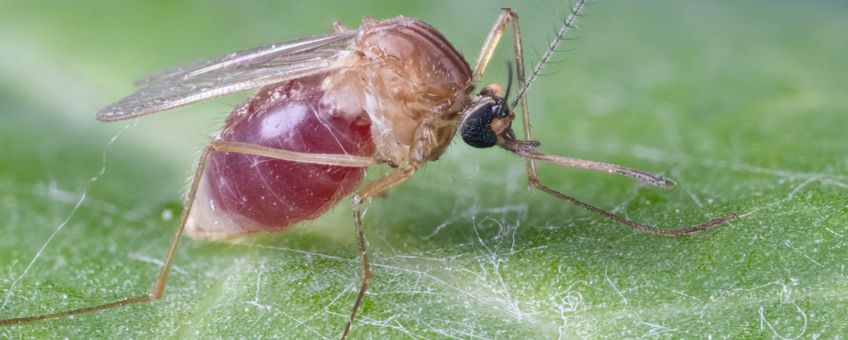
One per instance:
(508,16)
(373,189)
(216,146)
(159,286)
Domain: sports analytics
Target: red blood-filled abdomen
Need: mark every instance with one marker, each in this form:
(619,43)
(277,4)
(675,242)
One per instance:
(242,193)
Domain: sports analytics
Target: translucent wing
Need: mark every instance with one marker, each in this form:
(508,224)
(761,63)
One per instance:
(232,73)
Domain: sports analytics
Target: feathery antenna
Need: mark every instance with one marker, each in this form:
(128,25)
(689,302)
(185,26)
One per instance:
(567,25)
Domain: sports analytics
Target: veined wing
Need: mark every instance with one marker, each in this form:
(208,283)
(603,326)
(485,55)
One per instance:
(232,73)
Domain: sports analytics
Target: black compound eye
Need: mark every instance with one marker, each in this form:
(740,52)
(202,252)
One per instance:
(476,129)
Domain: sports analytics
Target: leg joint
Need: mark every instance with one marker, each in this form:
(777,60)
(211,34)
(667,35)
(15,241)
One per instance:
(533,181)
(510,12)
(356,200)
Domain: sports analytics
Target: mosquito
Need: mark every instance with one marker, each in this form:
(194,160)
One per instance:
(392,92)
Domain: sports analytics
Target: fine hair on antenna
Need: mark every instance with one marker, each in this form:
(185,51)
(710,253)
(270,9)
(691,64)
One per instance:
(568,24)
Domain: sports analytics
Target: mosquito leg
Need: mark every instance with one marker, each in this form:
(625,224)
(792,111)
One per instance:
(531,155)
(506,17)
(215,146)
(159,286)
(527,150)
(634,225)
(522,76)
(300,157)
(373,189)
(522,83)
(338,27)
(491,42)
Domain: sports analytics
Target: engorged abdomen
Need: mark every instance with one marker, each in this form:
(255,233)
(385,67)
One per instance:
(241,194)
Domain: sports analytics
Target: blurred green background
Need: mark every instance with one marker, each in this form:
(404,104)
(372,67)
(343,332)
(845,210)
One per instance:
(744,104)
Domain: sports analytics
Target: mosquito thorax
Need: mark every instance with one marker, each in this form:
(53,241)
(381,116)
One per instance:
(487,119)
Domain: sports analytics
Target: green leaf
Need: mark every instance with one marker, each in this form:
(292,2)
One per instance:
(743,104)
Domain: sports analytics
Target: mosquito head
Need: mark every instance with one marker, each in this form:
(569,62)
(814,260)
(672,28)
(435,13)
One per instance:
(487,120)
